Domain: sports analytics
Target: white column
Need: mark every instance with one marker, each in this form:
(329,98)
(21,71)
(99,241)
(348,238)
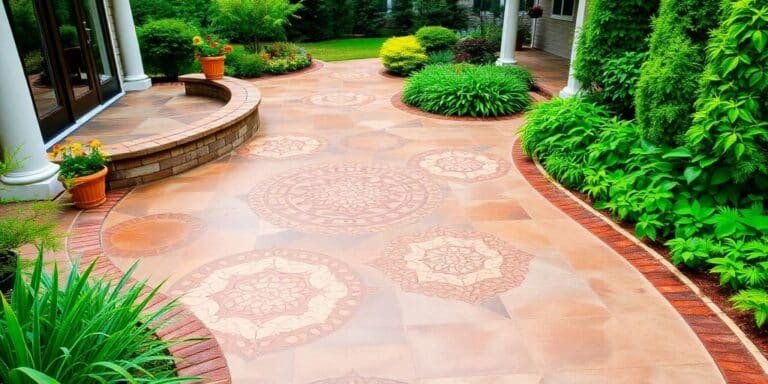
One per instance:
(134,78)
(34,178)
(509,33)
(574,85)
(389,6)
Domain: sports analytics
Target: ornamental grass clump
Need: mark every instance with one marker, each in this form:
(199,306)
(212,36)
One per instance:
(83,330)
(467,90)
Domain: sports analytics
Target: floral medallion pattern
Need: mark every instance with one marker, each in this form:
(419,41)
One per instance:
(340,99)
(350,76)
(282,147)
(464,265)
(373,141)
(354,378)
(461,165)
(150,235)
(345,198)
(266,300)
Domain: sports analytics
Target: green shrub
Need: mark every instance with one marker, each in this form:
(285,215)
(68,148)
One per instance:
(283,65)
(436,38)
(83,331)
(612,28)
(166,46)
(253,21)
(474,51)
(449,13)
(403,55)
(195,12)
(753,300)
(441,57)
(463,90)
(241,63)
(669,80)
(619,83)
(313,22)
(368,17)
(489,31)
(401,19)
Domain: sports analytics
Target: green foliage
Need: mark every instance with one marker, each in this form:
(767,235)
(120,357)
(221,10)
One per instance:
(669,80)
(474,51)
(434,38)
(489,31)
(313,22)
(465,90)
(753,300)
(241,63)
(619,81)
(401,19)
(730,131)
(403,55)
(195,12)
(252,21)
(612,28)
(33,223)
(448,13)
(368,17)
(77,160)
(85,331)
(441,57)
(166,46)
(24,23)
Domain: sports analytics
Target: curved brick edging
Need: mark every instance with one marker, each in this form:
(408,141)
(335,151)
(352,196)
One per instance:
(732,357)
(397,101)
(202,358)
(163,155)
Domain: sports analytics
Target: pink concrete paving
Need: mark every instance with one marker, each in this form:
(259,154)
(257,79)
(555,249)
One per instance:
(352,242)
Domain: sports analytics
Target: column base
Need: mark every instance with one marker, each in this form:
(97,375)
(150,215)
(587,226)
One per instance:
(139,84)
(511,61)
(46,189)
(568,92)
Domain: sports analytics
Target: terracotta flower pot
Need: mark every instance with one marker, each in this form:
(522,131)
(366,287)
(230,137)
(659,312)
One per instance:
(89,191)
(213,67)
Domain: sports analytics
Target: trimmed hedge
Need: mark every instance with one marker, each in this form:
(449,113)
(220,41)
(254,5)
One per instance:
(612,28)
(166,46)
(669,79)
(467,90)
(436,38)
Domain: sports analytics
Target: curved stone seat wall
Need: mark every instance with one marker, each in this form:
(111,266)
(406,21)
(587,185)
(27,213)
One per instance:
(156,157)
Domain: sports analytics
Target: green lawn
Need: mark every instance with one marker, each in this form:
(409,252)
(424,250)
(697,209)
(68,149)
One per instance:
(345,49)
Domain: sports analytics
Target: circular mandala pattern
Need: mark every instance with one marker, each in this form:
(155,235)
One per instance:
(340,99)
(282,147)
(354,378)
(464,265)
(150,235)
(461,165)
(350,76)
(345,198)
(374,141)
(266,300)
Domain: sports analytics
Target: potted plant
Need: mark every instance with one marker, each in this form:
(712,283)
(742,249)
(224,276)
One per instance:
(536,12)
(83,172)
(211,53)
(21,224)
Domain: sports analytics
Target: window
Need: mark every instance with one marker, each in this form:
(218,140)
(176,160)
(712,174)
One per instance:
(563,9)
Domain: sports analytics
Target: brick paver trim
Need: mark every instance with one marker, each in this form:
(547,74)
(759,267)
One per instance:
(732,357)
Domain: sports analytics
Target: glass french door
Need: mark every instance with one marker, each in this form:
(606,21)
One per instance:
(67,56)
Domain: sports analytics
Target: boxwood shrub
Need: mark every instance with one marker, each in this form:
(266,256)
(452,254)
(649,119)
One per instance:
(403,55)
(468,90)
(434,38)
(166,46)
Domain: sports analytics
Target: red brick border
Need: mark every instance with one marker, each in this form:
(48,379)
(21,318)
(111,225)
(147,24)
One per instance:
(735,362)
(202,358)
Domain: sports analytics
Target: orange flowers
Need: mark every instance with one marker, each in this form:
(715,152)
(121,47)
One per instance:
(228,49)
(210,46)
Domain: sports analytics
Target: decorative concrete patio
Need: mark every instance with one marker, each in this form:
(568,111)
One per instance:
(353,242)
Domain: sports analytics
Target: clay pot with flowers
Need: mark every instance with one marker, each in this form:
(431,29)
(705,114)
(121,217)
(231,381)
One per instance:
(211,53)
(83,171)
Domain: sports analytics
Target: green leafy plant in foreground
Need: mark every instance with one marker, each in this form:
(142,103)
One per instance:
(85,331)
(466,90)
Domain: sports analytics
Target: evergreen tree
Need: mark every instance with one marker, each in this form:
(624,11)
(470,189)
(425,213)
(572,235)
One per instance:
(402,17)
(313,22)
(368,17)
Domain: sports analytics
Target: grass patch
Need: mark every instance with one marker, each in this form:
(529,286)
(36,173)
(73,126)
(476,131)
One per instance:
(345,49)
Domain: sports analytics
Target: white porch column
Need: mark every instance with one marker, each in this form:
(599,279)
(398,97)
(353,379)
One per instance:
(574,85)
(35,177)
(389,6)
(134,78)
(509,33)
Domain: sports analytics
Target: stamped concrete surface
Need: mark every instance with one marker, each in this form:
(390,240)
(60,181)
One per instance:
(353,242)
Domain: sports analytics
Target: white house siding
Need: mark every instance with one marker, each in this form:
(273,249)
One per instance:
(554,35)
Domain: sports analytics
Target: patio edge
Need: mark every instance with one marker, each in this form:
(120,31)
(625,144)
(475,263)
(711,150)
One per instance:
(736,357)
(202,358)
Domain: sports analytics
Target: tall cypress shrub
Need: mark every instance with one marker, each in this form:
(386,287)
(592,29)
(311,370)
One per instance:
(611,29)
(669,79)
(369,17)
(312,22)
(402,17)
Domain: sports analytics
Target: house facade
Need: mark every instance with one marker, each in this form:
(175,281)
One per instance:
(553,31)
(73,59)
